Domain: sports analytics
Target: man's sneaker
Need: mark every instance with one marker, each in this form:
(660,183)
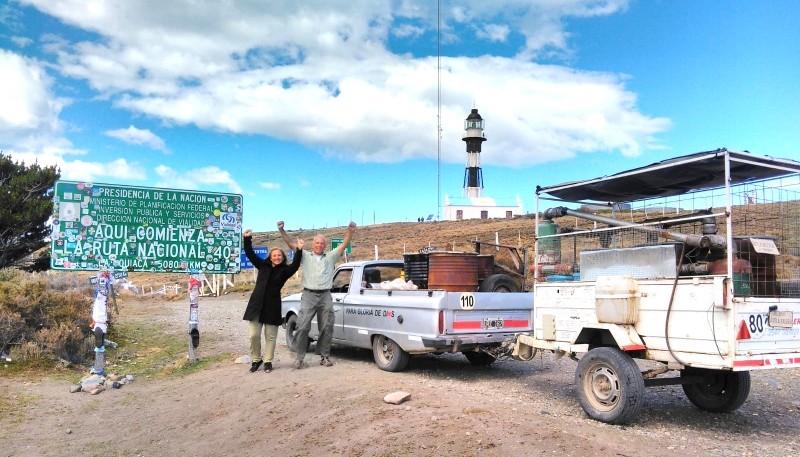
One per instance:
(268,367)
(299,365)
(325,362)
(254,366)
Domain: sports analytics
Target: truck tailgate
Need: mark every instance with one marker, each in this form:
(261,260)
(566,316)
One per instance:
(486,313)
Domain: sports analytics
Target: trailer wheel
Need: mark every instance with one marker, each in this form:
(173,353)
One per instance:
(499,283)
(389,356)
(610,385)
(479,358)
(291,334)
(720,391)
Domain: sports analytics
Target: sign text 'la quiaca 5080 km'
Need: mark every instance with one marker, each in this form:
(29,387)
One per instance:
(110,227)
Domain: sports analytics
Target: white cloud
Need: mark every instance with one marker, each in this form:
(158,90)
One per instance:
(494,32)
(115,170)
(194,178)
(270,185)
(321,74)
(21,41)
(140,137)
(29,110)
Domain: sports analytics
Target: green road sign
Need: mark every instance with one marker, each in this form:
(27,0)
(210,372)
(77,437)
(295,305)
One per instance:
(335,242)
(106,226)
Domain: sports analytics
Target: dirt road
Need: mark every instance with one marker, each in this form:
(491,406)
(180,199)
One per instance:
(511,408)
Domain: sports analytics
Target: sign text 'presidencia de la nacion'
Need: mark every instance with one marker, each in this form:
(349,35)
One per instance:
(111,227)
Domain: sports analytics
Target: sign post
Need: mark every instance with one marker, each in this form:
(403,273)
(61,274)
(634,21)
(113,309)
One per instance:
(336,242)
(194,316)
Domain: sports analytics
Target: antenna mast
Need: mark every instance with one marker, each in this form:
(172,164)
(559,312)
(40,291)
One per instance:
(438,112)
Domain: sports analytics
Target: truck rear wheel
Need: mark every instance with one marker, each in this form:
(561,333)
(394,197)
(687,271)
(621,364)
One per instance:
(720,391)
(389,356)
(498,283)
(610,385)
(479,358)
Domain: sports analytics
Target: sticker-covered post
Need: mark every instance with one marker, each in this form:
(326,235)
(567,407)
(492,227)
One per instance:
(105,288)
(194,316)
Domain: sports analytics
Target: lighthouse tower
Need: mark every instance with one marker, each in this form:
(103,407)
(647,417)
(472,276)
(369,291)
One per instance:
(473,136)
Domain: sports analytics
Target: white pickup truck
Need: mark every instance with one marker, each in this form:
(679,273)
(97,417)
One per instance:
(372,312)
(692,264)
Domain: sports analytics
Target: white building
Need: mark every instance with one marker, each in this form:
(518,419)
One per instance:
(457,209)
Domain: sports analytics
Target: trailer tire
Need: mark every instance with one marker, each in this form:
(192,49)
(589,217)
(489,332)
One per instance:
(499,283)
(479,358)
(291,334)
(720,392)
(610,385)
(388,355)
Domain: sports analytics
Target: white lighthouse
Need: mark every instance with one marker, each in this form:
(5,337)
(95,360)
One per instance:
(473,204)
(473,136)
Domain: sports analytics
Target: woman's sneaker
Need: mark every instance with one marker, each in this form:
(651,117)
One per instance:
(268,367)
(326,362)
(254,366)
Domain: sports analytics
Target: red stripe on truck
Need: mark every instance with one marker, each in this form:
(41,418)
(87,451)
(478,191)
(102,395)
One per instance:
(477,325)
(467,325)
(767,362)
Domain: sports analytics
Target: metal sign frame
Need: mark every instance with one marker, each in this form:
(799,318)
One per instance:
(112,227)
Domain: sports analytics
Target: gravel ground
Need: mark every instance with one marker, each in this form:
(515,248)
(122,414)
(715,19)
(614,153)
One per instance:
(510,408)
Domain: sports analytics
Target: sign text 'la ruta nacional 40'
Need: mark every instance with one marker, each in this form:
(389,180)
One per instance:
(105,226)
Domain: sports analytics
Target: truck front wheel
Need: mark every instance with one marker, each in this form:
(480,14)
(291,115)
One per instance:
(389,356)
(291,333)
(720,391)
(610,385)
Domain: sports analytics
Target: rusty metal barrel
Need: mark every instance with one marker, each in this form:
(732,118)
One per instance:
(453,271)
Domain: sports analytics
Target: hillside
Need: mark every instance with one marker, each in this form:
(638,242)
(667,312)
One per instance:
(392,240)
(397,238)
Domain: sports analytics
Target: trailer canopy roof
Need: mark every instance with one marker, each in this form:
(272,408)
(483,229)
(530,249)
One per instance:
(679,175)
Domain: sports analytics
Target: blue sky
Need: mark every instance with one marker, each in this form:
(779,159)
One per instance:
(319,112)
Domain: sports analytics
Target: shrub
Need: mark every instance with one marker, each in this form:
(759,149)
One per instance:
(64,341)
(56,321)
(11,328)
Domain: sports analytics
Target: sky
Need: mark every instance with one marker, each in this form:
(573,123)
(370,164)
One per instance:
(324,111)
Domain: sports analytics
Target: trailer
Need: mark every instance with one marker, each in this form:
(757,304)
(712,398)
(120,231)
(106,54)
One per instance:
(691,264)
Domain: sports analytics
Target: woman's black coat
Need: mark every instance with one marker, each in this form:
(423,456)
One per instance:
(265,301)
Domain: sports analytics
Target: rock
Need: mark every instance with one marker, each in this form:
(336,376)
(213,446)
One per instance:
(129,377)
(395,398)
(245,359)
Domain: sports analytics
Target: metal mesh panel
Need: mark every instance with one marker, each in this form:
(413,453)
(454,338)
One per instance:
(761,214)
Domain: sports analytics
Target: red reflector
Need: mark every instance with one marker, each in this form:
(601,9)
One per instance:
(441,322)
(743,333)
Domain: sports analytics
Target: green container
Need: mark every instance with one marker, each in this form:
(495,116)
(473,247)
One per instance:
(741,284)
(549,246)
